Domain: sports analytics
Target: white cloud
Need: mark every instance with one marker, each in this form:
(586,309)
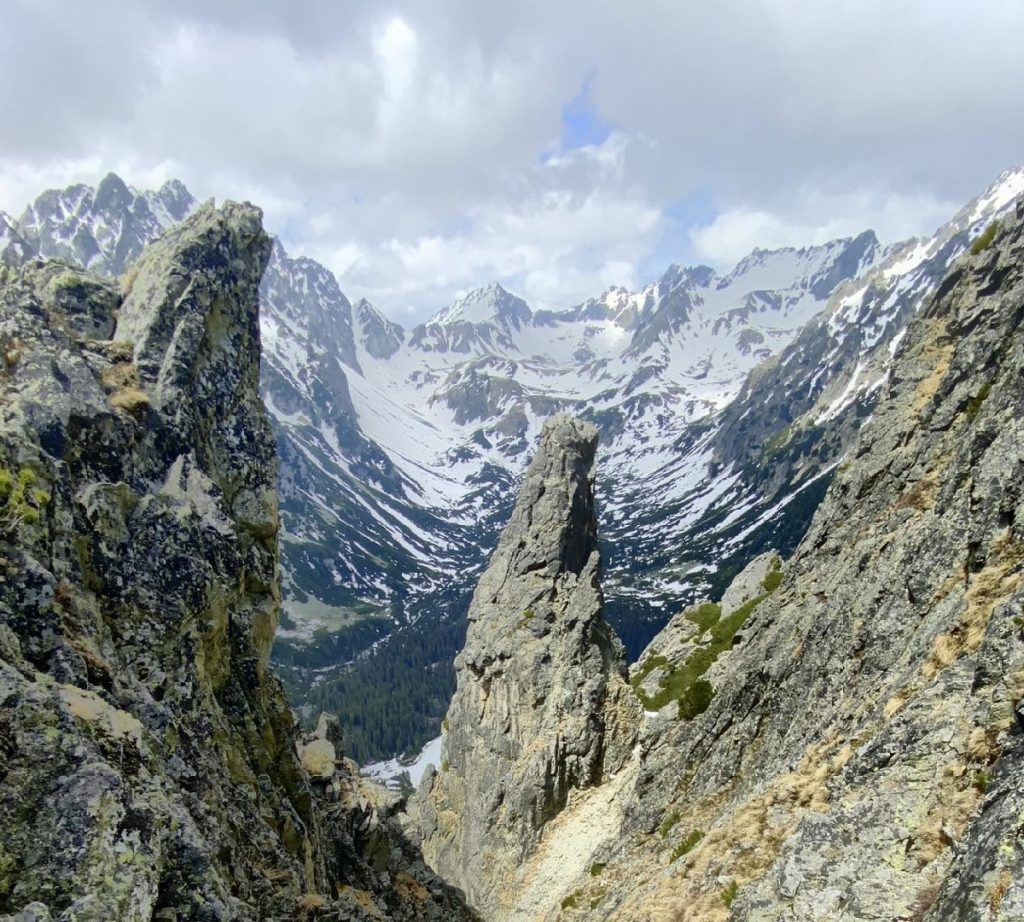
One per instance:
(813,218)
(551,242)
(403,144)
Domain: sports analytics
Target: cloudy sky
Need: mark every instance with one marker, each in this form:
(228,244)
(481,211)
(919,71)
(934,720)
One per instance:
(419,149)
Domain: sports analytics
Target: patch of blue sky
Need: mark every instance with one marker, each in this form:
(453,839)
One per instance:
(675,244)
(581,124)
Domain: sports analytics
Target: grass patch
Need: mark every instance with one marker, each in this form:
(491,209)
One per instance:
(729,894)
(571,901)
(705,615)
(687,845)
(596,868)
(975,403)
(773,579)
(650,664)
(695,699)
(670,820)
(21,497)
(677,682)
(985,240)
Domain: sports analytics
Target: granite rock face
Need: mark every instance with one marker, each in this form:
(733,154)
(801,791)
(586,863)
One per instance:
(858,750)
(749,583)
(149,765)
(862,757)
(542,707)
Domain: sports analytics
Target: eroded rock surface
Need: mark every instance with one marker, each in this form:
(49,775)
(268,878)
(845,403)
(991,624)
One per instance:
(861,758)
(856,751)
(542,707)
(149,766)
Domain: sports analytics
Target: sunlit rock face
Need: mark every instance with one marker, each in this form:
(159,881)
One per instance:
(542,707)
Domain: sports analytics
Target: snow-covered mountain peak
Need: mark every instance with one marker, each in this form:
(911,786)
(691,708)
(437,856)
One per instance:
(380,337)
(112,193)
(486,305)
(103,228)
(772,269)
(1009,185)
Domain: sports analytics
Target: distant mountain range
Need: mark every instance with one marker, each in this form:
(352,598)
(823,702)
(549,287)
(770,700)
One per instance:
(724,405)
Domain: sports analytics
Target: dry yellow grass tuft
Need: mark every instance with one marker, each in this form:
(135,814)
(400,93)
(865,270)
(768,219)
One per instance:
(999,889)
(121,381)
(128,279)
(12,350)
(895,704)
(981,745)
(946,822)
(741,843)
(940,354)
(131,398)
(945,651)
(1001,576)
(920,495)
(310,905)
(362,898)
(409,888)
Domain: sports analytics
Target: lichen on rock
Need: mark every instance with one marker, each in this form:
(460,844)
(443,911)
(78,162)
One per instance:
(149,764)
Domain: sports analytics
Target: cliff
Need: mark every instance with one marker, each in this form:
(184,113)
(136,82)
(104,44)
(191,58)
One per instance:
(542,709)
(149,765)
(856,751)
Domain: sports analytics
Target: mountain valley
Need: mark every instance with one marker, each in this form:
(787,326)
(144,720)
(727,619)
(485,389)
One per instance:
(824,722)
(724,404)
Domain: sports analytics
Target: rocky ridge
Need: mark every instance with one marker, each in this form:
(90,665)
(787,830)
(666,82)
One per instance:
(150,768)
(543,708)
(858,757)
(859,754)
(422,435)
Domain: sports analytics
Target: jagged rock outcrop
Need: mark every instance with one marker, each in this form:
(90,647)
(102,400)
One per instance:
(542,708)
(149,766)
(862,756)
(673,676)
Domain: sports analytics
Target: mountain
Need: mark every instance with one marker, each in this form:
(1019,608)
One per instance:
(543,707)
(841,737)
(150,766)
(724,404)
(104,228)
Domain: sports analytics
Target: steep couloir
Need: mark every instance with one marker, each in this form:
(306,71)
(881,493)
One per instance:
(149,765)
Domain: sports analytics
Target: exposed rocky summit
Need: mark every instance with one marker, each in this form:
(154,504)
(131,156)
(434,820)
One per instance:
(149,765)
(542,708)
